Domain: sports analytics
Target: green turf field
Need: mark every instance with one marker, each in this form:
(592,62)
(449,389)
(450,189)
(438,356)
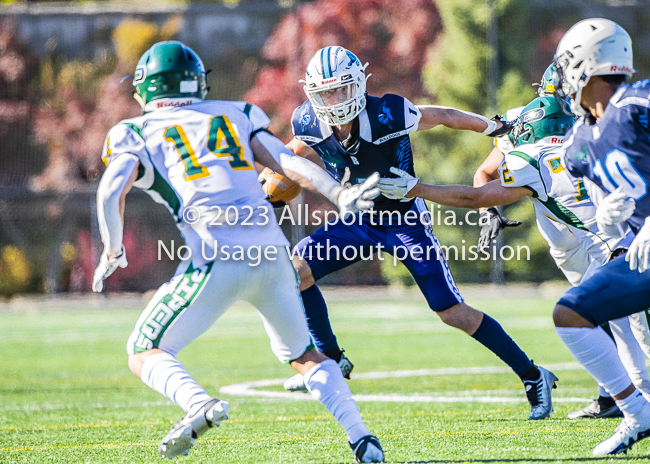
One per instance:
(66,395)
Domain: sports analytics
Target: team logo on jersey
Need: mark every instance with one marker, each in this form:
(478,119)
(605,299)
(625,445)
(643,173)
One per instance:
(140,74)
(305,118)
(385,116)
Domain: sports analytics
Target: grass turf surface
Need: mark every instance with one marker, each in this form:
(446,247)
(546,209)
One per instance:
(66,395)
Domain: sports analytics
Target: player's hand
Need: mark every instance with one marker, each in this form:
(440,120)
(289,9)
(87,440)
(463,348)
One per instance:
(106,267)
(639,253)
(505,127)
(491,224)
(615,208)
(358,197)
(397,188)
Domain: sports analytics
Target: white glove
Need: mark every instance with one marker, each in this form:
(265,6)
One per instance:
(639,253)
(615,207)
(396,189)
(106,267)
(358,197)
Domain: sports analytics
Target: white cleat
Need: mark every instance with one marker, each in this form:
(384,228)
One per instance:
(538,393)
(297,382)
(624,437)
(195,423)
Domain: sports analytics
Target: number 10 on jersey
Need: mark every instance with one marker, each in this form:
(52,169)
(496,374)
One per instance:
(221,131)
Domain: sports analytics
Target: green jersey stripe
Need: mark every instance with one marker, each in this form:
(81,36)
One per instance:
(564,214)
(159,185)
(170,306)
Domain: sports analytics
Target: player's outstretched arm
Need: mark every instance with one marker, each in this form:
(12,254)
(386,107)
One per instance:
(458,196)
(464,196)
(453,118)
(271,152)
(116,182)
(489,168)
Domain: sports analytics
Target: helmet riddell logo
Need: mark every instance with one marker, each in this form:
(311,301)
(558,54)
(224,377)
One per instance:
(165,104)
(621,69)
(328,81)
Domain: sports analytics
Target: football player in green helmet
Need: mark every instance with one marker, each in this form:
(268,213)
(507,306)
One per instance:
(193,154)
(531,166)
(169,74)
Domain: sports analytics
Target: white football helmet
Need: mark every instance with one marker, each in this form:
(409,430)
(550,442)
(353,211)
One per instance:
(335,84)
(592,47)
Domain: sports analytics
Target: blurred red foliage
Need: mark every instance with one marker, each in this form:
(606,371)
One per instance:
(73,125)
(392,36)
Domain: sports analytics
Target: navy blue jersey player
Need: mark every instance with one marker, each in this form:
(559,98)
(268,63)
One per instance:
(610,147)
(356,134)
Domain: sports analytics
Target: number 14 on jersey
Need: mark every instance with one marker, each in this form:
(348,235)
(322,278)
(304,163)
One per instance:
(222,142)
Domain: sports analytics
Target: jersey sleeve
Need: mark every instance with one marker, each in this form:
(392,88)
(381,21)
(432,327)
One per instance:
(126,138)
(516,170)
(412,116)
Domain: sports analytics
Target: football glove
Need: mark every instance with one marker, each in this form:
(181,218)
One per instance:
(639,253)
(615,208)
(358,197)
(397,188)
(106,267)
(505,128)
(491,224)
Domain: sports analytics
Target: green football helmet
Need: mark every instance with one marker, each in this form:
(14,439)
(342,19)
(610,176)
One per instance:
(550,84)
(169,74)
(541,118)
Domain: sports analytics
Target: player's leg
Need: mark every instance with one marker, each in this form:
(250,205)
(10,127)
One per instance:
(282,312)
(313,258)
(179,312)
(631,354)
(639,324)
(433,276)
(611,293)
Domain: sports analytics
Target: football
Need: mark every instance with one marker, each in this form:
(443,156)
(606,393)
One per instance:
(279,189)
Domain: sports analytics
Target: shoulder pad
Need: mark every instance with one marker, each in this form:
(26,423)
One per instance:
(519,169)
(126,137)
(390,116)
(259,119)
(306,126)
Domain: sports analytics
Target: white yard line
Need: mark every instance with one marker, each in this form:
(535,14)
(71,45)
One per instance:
(250,388)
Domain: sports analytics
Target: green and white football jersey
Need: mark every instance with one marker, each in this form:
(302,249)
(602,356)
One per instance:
(197,161)
(566,216)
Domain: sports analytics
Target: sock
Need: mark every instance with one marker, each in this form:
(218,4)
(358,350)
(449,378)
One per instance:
(635,407)
(597,353)
(491,335)
(318,320)
(325,383)
(602,393)
(631,354)
(166,375)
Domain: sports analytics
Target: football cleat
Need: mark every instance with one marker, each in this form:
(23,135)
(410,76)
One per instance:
(297,382)
(624,437)
(367,449)
(195,423)
(538,393)
(595,410)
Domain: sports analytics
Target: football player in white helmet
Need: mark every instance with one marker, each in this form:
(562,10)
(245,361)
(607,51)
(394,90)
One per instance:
(355,134)
(609,147)
(196,157)
(593,47)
